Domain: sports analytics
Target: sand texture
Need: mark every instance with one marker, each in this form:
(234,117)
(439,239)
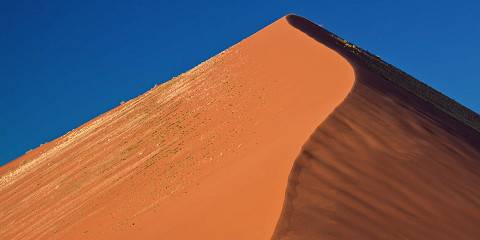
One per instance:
(293,133)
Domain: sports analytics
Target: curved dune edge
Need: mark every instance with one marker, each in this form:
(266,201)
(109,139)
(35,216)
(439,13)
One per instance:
(206,155)
(396,160)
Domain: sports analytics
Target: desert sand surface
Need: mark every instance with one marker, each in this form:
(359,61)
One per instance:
(293,133)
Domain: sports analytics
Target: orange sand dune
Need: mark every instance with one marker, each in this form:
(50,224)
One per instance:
(216,153)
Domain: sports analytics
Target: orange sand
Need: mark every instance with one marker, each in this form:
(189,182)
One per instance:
(216,153)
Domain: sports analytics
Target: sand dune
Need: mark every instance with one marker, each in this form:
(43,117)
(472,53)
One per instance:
(291,133)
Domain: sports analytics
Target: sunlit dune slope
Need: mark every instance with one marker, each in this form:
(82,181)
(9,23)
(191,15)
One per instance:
(396,160)
(204,156)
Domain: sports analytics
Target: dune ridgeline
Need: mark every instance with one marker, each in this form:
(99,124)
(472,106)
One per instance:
(293,133)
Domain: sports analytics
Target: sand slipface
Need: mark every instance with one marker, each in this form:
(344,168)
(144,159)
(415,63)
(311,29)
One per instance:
(292,133)
(396,160)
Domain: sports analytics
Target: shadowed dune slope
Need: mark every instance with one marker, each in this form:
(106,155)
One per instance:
(396,160)
(204,156)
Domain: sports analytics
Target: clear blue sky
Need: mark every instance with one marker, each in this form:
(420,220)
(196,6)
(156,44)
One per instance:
(63,63)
